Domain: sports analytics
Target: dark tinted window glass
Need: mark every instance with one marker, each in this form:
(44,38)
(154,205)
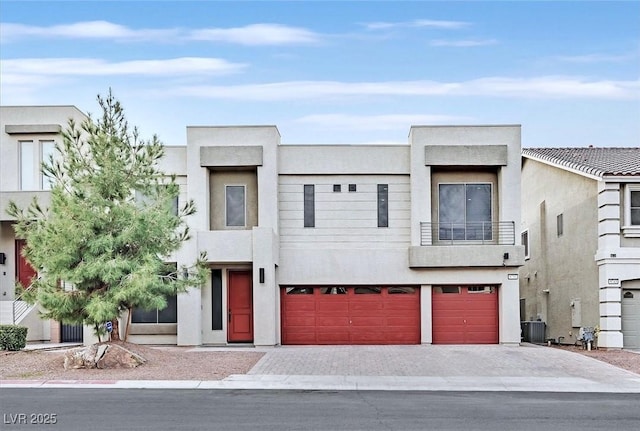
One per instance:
(216,299)
(309,206)
(383,205)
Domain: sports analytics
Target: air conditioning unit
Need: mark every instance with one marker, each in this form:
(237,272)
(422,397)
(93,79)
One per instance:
(533,331)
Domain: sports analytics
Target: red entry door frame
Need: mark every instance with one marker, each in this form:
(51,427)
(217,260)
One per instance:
(24,271)
(240,307)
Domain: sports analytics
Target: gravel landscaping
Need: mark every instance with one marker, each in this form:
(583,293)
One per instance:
(163,363)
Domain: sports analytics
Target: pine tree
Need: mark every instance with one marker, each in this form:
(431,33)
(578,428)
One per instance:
(97,249)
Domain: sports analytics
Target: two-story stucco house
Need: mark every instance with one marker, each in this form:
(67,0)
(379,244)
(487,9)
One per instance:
(581,230)
(27,137)
(341,244)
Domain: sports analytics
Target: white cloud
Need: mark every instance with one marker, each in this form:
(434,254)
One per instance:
(379,122)
(534,88)
(463,43)
(84,30)
(254,34)
(418,23)
(257,34)
(92,67)
(596,58)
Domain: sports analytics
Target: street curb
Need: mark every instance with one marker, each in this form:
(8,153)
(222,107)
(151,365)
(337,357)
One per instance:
(348,383)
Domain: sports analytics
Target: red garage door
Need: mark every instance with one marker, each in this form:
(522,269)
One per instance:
(350,315)
(465,314)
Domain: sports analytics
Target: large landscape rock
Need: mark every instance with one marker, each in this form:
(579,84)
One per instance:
(105,355)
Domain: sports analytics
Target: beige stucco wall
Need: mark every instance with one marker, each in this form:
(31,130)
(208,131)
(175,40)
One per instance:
(561,271)
(221,178)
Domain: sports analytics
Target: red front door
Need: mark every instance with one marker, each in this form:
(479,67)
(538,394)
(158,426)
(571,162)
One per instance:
(24,271)
(240,307)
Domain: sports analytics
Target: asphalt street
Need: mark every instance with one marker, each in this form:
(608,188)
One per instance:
(182,409)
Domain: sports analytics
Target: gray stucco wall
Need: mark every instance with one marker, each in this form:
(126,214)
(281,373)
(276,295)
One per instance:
(561,270)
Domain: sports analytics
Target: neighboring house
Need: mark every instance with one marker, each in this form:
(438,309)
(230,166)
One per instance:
(581,230)
(344,244)
(27,137)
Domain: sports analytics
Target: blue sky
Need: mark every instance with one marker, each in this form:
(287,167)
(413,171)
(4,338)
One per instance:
(335,72)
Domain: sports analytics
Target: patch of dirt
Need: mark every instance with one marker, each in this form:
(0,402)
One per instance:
(624,359)
(163,363)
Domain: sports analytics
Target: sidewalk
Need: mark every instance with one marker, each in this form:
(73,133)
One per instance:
(420,368)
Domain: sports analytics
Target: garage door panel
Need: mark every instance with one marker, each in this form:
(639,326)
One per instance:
(332,307)
(333,337)
(331,321)
(403,322)
(375,321)
(370,316)
(465,317)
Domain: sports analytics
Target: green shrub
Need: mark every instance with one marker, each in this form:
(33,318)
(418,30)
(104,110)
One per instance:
(13,337)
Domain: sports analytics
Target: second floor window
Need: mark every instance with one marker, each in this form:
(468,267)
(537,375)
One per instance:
(560,225)
(634,211)
(32,154)
(309,206)
(235,206)
(383,205)
(464,212)
(524,240)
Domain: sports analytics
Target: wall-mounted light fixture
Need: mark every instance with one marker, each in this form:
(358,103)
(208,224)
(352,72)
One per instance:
(3,258)
(261,275)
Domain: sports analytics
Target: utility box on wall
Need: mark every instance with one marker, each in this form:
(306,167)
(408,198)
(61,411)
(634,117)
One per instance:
(576,313)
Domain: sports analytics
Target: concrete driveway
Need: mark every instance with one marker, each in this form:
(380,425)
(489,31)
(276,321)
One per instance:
(427,367)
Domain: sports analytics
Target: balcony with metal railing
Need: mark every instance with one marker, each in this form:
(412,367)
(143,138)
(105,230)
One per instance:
(469,245)
(470,233)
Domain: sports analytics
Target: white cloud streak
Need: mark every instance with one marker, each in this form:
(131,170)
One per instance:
(254,34)
(467,43)
(10,32)
(546,87)
(418,23)
(96,67)
(257,34)
(378,122)
(596,58)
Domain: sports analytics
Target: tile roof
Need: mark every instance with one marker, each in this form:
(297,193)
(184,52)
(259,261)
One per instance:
(598,161)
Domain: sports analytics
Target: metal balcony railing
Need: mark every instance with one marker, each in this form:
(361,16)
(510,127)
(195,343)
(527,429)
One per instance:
(471,233)
(20,307)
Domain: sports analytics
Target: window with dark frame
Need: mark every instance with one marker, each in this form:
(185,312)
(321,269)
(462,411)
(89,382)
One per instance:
(383,205)
(464,211)
(169,314)
(524,240)
(634,204)
(309,206)
(559,225)
(216,300)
